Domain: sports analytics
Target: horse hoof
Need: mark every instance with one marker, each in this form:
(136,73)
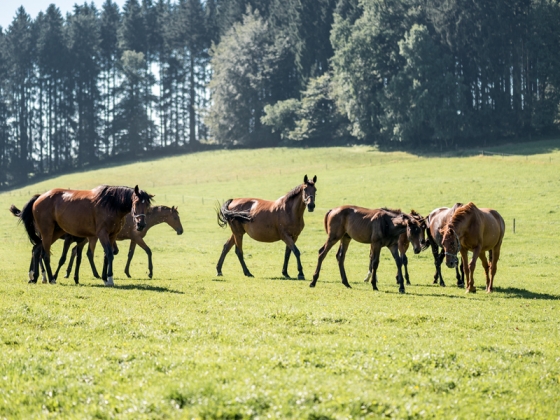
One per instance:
(401,291)
(150,275)
(219,274)
(32,282)
(473,290)
(461,285)
(109,282)
(249,275)
(301,277)
(52,282)
(66,276)
(44,281)
(312,284)
(442,285)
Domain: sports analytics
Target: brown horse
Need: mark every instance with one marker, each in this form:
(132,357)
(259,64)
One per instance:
(268,221)
(476,230)
(83,213)
(154,216)
(378,227)
(438,219)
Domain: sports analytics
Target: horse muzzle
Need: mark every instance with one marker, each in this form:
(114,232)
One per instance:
(451,261)
(179,231)
(140,226)
(311,207)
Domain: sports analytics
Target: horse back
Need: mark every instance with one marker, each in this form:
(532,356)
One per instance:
(494,226)
(354,221)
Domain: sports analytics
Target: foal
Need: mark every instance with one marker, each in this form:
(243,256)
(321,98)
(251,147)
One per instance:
(268,221)
(378,227)
(154,216)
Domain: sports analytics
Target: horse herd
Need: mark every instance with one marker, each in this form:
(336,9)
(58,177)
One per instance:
(111,213)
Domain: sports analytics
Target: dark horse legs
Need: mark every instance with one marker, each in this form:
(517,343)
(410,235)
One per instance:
(236,240)
(323,251)
(291,247)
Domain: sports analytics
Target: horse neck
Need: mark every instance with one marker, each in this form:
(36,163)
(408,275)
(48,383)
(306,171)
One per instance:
(155,218)
(295,205)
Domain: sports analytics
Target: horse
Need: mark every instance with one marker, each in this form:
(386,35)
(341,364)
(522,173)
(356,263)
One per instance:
(154,216)
(476,230)
(377,227)
(268,221)
(404,244)
(83,213)
(437,219)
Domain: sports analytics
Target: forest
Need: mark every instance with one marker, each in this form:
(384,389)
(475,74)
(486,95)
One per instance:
(165,77)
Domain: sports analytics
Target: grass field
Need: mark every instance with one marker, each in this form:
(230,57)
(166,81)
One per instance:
(188,344)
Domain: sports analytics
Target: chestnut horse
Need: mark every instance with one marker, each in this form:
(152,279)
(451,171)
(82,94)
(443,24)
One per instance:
(154,216)
(83,213)
(378,227)
(268,221)
(476,230)
(438,219)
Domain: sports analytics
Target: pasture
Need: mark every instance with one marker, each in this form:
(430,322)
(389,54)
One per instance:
(189,344)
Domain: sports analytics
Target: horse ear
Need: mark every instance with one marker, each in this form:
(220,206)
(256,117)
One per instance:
(305,179)
(136,190)
(315,179)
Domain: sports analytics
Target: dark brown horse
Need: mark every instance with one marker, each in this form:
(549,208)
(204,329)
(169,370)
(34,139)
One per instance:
(403,246)
(437,220)
(378,227)
(268,221)
(83,213)
(476,230)
(154,216)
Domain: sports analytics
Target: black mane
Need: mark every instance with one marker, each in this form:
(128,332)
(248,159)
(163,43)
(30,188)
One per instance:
(117,198)
(294,192)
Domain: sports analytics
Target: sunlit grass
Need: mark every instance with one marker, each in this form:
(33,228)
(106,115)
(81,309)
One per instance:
(190,344)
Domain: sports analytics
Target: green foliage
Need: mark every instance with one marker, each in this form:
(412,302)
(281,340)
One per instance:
(245,64)
(188,344)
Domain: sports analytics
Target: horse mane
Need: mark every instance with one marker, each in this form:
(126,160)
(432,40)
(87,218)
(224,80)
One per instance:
(395,211)
(461,214)
(117,198)
(294,192)
(160,208)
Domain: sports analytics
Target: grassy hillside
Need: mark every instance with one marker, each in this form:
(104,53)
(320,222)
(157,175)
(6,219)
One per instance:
(188,344)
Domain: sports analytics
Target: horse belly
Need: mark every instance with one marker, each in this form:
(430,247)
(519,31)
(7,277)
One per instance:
(262,232)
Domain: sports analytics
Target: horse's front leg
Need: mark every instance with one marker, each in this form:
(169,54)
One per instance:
(67,242)
(395,252)
(291,244)
(374,254)
(108,261)
(287,254)
(146,248)
(469,281)
(78,248)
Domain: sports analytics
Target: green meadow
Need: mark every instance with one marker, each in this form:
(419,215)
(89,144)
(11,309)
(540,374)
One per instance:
(188,344)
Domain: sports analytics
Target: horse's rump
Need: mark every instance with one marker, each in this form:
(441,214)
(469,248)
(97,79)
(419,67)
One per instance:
(226,216)
(25,216)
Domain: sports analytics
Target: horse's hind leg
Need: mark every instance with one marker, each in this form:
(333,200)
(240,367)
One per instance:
(79,249)
(239,253)
(67,242)
(90,252)
(227,246)
(341,256)
(71,262)
(323,251)
(494,256)
(373,264)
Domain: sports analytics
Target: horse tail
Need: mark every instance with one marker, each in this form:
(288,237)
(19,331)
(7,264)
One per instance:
(325,220)
(226,216)
(26,216)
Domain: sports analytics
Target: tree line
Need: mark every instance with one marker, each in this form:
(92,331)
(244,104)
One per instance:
(162,75)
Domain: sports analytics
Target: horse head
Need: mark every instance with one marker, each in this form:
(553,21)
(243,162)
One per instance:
(173,220)
(415,228)
(141,202)
(309,192)
(451,246)
(424,226)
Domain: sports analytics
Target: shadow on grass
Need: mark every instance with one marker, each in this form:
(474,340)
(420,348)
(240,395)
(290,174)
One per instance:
(286,278)
(145,287)
(525,294)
